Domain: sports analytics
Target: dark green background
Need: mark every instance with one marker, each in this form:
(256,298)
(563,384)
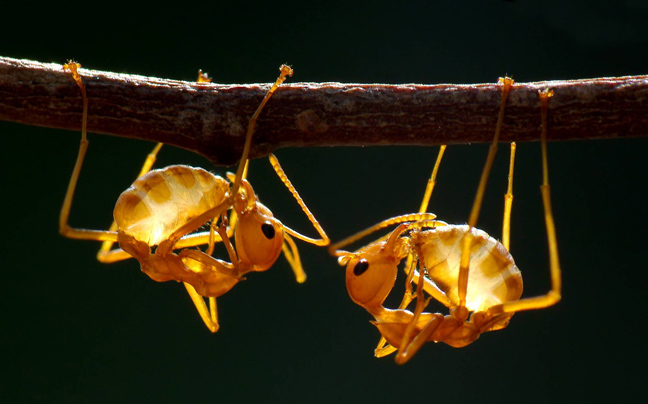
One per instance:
(74,330)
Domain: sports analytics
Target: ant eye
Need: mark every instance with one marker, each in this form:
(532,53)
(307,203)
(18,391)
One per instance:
(268,230)
(360,267)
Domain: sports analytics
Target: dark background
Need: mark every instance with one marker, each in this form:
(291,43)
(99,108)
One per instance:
(75,330)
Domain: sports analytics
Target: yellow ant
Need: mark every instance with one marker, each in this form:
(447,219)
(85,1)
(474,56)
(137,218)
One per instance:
(157,214)
(460,266)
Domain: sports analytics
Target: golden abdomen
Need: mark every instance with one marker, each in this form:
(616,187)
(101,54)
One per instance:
(161,201)
(493,277)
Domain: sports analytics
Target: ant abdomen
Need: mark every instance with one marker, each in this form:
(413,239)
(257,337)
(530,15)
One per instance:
(161,201)
(493,278)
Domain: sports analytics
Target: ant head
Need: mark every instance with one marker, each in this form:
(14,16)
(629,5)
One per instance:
(259,236)
(371,274)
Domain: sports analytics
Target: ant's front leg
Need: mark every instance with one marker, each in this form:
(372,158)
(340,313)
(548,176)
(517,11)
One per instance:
(383,348)
(412,340)
(217,277)
(224,231)
(213,271)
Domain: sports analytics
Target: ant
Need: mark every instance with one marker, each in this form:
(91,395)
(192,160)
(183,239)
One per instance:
(460,266)
(159,213)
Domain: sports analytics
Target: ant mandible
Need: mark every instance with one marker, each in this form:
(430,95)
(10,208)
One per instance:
(461,266)
(162,208)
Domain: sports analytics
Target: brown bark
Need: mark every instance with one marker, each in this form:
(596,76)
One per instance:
(211,119)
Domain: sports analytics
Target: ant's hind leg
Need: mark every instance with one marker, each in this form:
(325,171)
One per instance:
(432,181)
(554,295)
(508,202)
(507,84)
(208,315)
(64,227)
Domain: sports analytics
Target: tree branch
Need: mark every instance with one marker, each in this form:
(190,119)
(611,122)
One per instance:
(210,119)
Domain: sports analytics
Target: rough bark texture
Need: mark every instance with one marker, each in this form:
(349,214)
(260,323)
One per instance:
(211,119)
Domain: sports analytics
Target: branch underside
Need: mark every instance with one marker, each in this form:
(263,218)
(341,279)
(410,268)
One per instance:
(211,119)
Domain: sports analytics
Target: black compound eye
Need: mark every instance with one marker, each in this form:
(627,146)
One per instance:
(268,230)
(360,267)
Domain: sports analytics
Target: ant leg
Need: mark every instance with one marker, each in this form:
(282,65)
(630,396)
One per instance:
(420,305)
(474,213)
(554,295)
(508,202)
(324,241)
(432,181)
(195,239)
(429,286)
(291,253)
(227,242)
(424,206)
(406,352)
(242,167)
(203,77)
(334,249)
(233,219)
(411,271)
(223,235)
(383,348)
(209,262)
(412,340)
(438,328)
(214,278)
(198,221)
(205,259)
(111,256)
(210,240)
(213,310)
(150,160)
(238,177)
(208,315)
(208,270)
(209,237)
(64,227)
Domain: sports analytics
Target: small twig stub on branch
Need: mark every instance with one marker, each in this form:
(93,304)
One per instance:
(211,119)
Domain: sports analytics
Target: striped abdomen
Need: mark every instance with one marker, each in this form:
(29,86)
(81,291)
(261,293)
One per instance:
(493,277)
(161,201)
